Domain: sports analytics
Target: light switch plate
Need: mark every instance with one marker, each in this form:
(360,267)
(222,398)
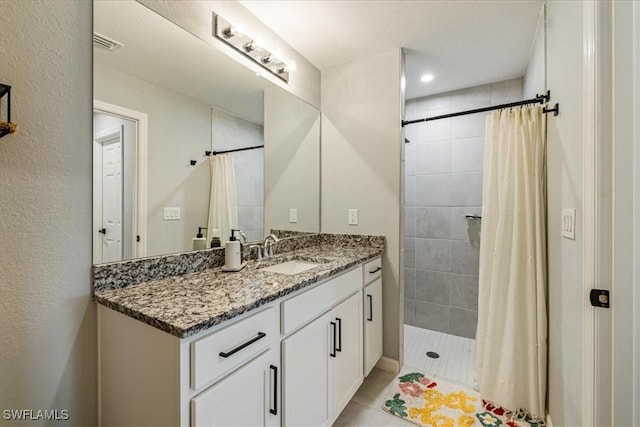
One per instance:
(569,223)
(353,216)
(171,214)
(293,215)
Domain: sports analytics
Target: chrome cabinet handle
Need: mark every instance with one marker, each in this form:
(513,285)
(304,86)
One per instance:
(243,345)
(375,270)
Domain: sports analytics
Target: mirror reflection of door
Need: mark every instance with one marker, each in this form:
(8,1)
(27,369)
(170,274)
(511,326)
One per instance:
(114,149)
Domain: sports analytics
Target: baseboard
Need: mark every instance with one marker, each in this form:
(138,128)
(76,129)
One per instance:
(389,365)
(548,421)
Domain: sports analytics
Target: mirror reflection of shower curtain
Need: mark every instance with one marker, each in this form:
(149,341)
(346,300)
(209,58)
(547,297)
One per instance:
(511,348)
(223,200)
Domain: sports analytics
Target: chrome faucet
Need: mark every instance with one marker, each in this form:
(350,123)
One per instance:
(267,247)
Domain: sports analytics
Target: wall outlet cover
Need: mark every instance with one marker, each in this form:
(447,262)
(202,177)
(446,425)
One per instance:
(353,216)
(293,215)
(569,224)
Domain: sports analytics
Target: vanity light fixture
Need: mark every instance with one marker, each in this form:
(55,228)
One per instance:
(250,48)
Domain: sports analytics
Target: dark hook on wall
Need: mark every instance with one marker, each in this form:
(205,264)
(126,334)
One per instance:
(555,110)
(193,162)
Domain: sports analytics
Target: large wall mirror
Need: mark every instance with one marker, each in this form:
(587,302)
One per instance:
(162,99)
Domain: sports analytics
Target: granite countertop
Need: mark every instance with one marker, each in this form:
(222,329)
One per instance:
(187,304)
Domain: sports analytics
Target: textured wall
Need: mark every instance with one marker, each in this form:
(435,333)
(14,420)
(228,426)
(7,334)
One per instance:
(443,183)
(47,320)
(361,165)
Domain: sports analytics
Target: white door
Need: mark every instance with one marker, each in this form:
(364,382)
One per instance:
(110,197)
(247,398)
(346,367)
(305,383)
(372,325)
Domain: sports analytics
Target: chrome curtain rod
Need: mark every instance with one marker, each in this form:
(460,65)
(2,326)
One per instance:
(539,99)
(213,153)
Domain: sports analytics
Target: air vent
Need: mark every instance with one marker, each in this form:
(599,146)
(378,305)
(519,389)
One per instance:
(105,42)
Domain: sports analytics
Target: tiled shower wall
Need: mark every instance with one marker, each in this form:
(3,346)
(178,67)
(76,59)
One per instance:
(443,183)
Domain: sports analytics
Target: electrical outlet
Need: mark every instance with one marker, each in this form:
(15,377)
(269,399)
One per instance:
(569,223)
(353,216)
(293,215)
(171,214)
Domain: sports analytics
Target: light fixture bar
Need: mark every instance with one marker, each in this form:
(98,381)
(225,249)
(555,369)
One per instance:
(247,46)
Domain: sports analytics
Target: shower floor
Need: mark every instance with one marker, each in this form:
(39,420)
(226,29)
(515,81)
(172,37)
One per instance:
(457,355)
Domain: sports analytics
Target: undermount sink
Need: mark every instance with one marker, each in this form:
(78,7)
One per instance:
(292,267)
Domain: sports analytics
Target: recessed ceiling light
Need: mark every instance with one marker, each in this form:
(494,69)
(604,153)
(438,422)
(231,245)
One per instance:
(426,78)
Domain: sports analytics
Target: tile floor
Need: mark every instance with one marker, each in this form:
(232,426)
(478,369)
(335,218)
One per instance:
(457,355)
(455,364)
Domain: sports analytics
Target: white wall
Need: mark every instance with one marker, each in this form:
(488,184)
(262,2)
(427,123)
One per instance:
(361,165)
(564,188)
(179,131)
(292,153)
(535,75)
(626,221)
(47,319)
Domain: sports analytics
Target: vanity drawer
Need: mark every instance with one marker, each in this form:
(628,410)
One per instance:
(221,352)
(307,306)
(372,270)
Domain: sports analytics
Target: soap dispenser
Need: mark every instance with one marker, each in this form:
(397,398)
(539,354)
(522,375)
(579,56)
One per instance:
(215,238)
(200,242)
(233,254)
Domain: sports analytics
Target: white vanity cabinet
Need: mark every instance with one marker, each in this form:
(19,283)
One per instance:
(226,377)
(249,397)
(322,360)
(296,361)
(372,309)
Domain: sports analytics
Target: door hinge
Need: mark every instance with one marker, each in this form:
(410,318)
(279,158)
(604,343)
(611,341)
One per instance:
(599,298)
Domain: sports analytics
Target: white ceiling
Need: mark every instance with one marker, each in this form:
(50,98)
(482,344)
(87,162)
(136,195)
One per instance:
(464,43)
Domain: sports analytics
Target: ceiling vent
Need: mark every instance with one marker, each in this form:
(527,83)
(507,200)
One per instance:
(105,42)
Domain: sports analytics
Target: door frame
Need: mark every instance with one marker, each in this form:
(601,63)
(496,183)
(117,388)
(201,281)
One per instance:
(98,207)
(636,214)
(142,125)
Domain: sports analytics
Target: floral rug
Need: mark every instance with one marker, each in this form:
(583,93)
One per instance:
(426,402)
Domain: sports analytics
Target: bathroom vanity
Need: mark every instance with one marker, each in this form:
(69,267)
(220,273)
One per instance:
(257,347)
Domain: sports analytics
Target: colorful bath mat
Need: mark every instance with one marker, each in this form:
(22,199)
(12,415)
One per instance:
(429,402)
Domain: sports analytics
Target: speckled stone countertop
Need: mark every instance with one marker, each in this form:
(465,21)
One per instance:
(187,304)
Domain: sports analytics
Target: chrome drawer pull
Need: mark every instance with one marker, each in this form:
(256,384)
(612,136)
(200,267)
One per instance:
(375,270)
(243,345)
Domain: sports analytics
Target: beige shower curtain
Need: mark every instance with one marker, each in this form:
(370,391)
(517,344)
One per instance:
(223,200)
(511,358)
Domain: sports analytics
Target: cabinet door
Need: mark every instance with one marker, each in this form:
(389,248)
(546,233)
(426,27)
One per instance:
(347,365)
(305,383)
(372,300)
(248,397)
